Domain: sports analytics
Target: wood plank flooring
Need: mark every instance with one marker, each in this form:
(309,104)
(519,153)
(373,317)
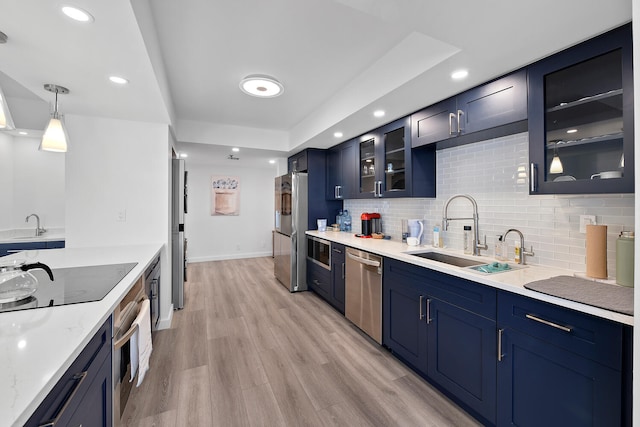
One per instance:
(246,352)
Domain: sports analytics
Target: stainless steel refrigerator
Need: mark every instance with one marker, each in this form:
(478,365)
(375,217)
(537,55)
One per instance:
(178,241)
(291,209)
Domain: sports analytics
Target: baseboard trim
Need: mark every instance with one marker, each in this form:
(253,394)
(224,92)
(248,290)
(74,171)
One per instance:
(227,257)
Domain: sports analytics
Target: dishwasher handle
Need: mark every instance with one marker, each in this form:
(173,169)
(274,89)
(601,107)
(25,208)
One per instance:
(365,261)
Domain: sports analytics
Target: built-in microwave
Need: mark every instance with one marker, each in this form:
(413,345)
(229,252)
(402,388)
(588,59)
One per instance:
(319,251)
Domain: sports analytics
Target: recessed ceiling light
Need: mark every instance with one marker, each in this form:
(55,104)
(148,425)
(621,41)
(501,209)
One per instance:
(378,113)
(77,14)
(183,155)
(261,86)
(23,132)
(272,161)
(459,74)
(572,130)
(118,80)
(235,149)
(337,134)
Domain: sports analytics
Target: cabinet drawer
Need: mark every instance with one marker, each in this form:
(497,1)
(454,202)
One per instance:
(463,293)
(596,339)
(319,279)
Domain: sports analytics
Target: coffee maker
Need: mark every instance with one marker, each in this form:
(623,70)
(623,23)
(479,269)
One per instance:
(371,223)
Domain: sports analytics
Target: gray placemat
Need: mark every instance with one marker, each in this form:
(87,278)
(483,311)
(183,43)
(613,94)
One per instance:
(610,297)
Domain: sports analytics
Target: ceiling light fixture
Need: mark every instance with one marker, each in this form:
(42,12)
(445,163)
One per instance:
(337,134)
(235,149)
(261,86)
(55,135)
(77,14)
(272,161)
(183,155)
(23,133)
(6,122)
(572,130)
(118,80)
(378,113)
(459,74)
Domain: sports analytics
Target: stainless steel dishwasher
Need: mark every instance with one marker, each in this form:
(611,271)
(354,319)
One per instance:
(363,292)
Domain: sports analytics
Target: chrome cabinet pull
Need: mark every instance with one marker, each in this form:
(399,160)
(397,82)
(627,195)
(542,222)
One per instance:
(337,250)
(428,311)
(343,270)
(533,177)
(548,323)
(79,378)
(452,117)
(460,128)
(421,314)
(500,354)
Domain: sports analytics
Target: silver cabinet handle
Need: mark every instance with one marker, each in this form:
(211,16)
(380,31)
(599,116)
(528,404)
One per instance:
(452,117)
(421,314)
(343,270)
(428,310)
(336,250)
(364,260)
(460,128)
(548,323)
(79,378)
(379,183)
(533,177)
(500,354)
(336,192)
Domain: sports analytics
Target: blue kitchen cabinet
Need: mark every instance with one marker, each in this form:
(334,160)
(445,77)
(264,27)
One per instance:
(558,367)
(491,110)
(10,248)
(319,279)
(83,396)
(56,244)
(443,327)
(341,171)
(581,126)
(298,162)
(388,167)
(336,294)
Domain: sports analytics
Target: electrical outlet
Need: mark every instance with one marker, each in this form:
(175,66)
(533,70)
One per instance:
(586,219)
(121,216)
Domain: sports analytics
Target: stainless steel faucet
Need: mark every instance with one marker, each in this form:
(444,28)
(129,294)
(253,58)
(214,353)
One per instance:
(476,239)
(521,259)
(39,231)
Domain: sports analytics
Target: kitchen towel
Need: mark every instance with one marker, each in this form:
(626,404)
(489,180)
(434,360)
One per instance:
(597,251)
(610,297)
(141,345)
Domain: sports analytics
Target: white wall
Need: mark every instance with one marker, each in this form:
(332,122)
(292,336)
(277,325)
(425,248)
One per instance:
(117,182)
(226,237)
(488,171)
(6,178)
(39,185)
(33,182)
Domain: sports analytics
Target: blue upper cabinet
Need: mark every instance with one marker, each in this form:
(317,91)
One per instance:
(581,118)
(387,167)
(341,171)
(493,109)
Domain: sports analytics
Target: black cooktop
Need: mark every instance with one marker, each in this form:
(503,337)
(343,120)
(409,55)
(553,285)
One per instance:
(72,286)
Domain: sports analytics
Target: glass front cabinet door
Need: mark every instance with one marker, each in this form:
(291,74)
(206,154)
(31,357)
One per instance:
(385,161)
(581,118)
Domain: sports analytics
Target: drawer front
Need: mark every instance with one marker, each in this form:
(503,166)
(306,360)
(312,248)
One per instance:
(463,293)
(319,279)
(596,339)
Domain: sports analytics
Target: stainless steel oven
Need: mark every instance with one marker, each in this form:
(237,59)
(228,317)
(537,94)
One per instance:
(319,251)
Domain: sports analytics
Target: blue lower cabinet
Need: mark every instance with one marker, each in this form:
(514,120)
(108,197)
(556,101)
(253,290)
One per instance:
(319,279)
(462,356)
(10,248)
(404,328)
(56,244)
(336,297)
(83,396)
(540,384)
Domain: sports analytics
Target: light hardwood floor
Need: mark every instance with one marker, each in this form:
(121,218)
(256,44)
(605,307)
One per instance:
(246,352)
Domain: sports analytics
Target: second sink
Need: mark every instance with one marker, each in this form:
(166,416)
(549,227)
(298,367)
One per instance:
(447,259)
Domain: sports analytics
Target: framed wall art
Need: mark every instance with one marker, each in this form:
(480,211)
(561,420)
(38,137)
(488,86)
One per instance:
(225,195)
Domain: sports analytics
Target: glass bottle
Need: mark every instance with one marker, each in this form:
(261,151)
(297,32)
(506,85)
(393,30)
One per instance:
(624,258)
(339,219)
(346,220)
(467,240)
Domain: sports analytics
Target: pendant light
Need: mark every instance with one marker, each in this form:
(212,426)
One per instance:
(556,164)
(55,135)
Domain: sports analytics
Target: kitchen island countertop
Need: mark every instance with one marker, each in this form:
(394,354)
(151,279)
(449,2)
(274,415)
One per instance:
(37,346)
(512,281)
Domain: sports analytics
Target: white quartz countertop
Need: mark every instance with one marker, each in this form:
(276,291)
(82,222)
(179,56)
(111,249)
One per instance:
(37,346)
(28,236)
(512,281)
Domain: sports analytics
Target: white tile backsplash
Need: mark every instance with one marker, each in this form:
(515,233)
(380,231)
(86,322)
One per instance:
(494,173)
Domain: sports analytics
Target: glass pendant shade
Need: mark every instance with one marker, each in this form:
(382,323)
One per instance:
(6,122)
(55,136)
(556,165)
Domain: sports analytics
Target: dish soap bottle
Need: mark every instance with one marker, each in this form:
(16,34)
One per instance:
(436,236)
(517,249)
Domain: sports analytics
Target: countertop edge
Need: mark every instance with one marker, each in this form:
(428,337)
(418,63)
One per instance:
(508,281)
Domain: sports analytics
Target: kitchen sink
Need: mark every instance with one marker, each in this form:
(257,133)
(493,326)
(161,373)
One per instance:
(447,259)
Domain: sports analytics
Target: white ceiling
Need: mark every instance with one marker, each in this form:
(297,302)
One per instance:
(339,60)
